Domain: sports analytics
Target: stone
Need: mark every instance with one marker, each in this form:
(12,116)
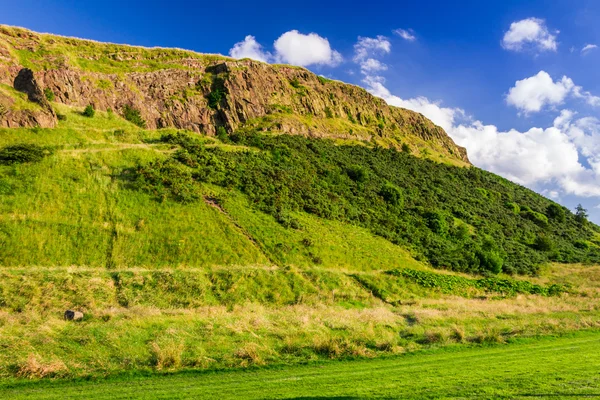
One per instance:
(71,315)
(25,82)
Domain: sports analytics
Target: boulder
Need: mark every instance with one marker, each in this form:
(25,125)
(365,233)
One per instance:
(25,82)
(71,315)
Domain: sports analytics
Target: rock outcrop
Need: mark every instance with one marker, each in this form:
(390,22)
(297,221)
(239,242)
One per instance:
(174,88)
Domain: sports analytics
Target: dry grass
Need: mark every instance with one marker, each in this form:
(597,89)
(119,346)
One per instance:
(33,368)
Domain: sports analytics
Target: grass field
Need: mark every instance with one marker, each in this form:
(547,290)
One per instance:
(565,367)
(171,287)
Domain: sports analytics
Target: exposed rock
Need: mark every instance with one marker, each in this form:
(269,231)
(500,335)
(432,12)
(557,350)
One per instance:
(25,82)
(71,315)
(201,92)
(11,116)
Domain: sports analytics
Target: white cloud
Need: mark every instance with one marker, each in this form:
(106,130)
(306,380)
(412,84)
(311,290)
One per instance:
(406,34)
(297,48)
(588,47)
(372,65)
(534,93)
(292,47)
(249,48)
(368,47)
(539,156)
(589,98)
(530,33)
(539,91)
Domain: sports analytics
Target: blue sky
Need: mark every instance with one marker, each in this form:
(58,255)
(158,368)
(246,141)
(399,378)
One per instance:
(509,80)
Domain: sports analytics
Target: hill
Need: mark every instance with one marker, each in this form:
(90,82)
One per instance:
(205,212)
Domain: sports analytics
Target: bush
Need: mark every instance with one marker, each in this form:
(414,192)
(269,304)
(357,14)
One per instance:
(22,153)
(49,94)
(357,185)
(406,148)
(222,134)
(392,194)
(215,97)
(437,222)
(555,212)
(357,173)
(513,207)
(133,115)
(538,218)
(295,83)
(543,243)
(61,117)
(328,112)
(89,111)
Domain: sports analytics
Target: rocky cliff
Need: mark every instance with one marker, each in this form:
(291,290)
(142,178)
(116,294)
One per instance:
(186,90)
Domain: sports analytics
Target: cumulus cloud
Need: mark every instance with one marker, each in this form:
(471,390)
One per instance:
(530,33)
(550,156)
(563,158)
(297,48)
(249,48)
(406,34)
(539,91)
(534,93)
(588,47)
(292,47)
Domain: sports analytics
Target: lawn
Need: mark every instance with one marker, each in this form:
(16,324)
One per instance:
(565,367)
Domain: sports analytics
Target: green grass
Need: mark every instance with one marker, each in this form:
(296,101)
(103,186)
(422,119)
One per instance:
(217,283)
(563,367)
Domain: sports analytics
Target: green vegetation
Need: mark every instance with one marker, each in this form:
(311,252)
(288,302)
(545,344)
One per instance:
(52,52)
(451,284)
(536,369)
(89,111)
(177,242)
(133,115)
(49,94)
(23,153)
(410,201)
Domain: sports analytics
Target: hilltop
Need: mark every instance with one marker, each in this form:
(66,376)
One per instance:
(204,212)
(200,93)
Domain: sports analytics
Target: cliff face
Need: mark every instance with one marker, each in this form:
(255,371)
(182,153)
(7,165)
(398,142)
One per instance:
(176,88)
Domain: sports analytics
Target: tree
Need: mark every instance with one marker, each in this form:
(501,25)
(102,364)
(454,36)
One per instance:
(555,212)
(581,214)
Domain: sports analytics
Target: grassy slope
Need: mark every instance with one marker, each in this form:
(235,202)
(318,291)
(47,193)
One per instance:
(167,286)
(558,367)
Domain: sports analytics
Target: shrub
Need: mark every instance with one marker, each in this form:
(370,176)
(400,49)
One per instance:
(215,97)
(328,112)
(437,222)
(513,207)
(406,148)
(295,83)
(49,94)
(543,243)
(357,173)
(133,115)
(61,117)
(555,212)
(22,153)
(89,111)
(536,217)
(222,134)
(392,194)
